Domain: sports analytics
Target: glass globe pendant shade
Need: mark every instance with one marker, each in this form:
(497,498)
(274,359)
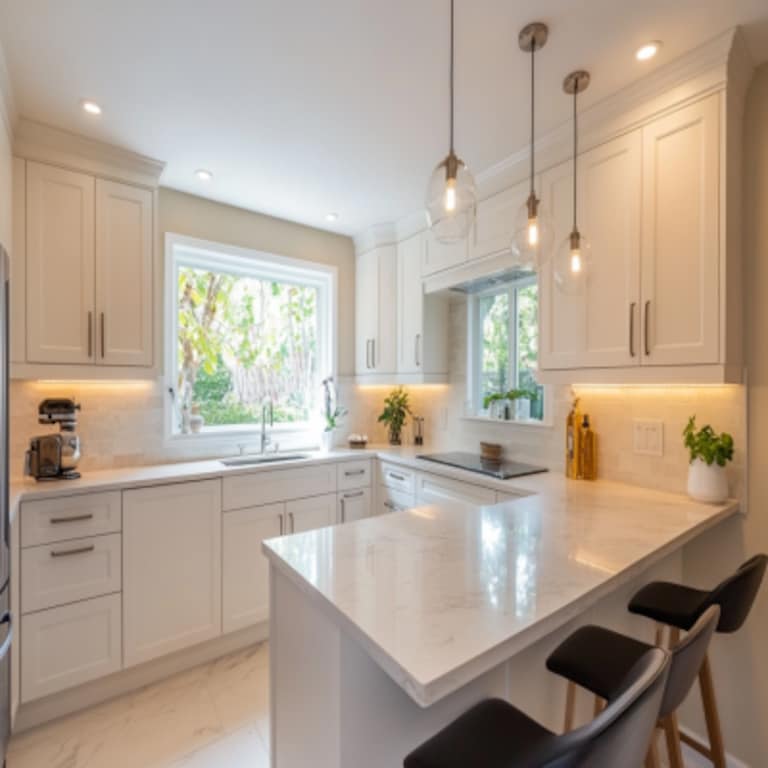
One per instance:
(572,264)
(451,200)
(532,238)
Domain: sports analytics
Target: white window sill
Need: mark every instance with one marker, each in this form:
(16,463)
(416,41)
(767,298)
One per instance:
(528,423)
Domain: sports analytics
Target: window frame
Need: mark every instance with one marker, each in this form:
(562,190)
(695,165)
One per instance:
(207,254)
(473,406)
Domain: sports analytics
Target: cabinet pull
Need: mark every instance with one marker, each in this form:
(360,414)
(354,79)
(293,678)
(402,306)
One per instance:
(280,517)
(292,522)
(343,510)
(393,507)
(73,519)
(373,353)
(632,329)
(396,477)
(645,328)
(68,552)
(355,495)
(103,346)
(417,345)
(90,334)
(368,354)
(354,472)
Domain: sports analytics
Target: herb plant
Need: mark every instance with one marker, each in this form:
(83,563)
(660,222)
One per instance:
(396,408)
(707,445)
(513,394)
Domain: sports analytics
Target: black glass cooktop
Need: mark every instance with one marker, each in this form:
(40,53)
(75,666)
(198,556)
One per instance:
(503,470)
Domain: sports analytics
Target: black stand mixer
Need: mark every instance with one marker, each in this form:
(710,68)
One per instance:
(55,456)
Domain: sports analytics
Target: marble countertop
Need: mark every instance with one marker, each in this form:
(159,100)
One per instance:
(438,595)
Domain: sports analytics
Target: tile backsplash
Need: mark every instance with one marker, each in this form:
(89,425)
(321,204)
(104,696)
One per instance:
(121,423)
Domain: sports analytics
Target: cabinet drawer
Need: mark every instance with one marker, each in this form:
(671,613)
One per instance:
(55,574)
(434,489)
(259,488)
(353,474)
(393,500)
(70,517)
(66,646)
(399,478)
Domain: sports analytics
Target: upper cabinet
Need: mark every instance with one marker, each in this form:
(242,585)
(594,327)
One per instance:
(438,256)
(495,221)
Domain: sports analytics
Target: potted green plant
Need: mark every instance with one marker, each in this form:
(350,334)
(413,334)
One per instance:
(396,408)
(489,401)
(709,454)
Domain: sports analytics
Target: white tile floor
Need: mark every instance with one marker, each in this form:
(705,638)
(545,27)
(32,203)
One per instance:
(212,716)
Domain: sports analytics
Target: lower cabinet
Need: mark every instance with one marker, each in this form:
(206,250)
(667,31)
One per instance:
(394,500)
(354,505)
(435,489)
(171,568)
(70,645)
(245,574)
(308,514)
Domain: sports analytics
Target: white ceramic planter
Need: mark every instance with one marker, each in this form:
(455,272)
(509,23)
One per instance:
(327,439)
(706,482)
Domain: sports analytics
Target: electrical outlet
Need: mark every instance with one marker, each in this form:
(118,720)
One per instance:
(648,437)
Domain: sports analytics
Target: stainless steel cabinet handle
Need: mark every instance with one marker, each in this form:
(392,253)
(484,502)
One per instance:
(393,507)
(68,552)
(280,517)
(73,519)
(103,343)
(632,329)
(90,334)
(353,495)
(396,477)
(292,522)
(354,472)
(417,345)
(343,510)
(645,328)
(368,354)
(373,353)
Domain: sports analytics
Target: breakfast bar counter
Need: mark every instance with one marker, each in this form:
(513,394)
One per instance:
(383,630)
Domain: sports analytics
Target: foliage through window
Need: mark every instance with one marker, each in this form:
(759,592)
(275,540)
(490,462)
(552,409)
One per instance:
(247,331)
(507,351)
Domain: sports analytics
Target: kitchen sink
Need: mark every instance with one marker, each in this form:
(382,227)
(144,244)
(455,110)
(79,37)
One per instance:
(267,458)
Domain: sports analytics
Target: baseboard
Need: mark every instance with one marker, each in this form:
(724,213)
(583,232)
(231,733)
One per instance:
(694,759)
(57,705)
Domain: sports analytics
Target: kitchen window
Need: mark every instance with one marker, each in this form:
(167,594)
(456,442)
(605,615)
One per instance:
(245,329)
(504,352)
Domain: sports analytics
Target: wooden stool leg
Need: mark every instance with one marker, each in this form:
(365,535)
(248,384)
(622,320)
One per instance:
(599,705)
(570,706)
(716,744)
(652,758)
(659,640)
(673,742)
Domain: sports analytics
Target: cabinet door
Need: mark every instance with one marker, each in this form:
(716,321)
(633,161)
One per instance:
(392,500)
(123,274)
(495,222)
(60,265)
(354,505)
(18,258)
(598,329)
(435,489)
(171,568)
(410,306)
(366,310)
(245,570)
(436,256)
(681,230)
(308,514)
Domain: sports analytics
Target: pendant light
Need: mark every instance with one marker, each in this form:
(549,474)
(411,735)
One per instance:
(451,199)
(572,262)
(532,239)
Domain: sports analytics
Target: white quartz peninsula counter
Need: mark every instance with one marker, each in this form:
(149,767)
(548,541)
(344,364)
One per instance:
(384,630)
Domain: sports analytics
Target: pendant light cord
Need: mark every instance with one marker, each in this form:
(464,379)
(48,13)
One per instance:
(451,79)
(533,106)
(575,152)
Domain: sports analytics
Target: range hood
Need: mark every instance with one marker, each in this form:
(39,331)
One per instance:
(476,276)
(480,284)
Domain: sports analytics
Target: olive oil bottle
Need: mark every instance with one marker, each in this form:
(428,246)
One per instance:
(588,449)
(572,441)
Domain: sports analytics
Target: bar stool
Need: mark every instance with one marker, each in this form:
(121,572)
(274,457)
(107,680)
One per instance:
(680,607)
(598,659)
(494,734)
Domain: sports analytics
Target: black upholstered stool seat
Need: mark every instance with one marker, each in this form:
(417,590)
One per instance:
(669,603)
(597,659)
(486,735)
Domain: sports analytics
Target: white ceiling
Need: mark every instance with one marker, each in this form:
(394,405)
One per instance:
(302,107)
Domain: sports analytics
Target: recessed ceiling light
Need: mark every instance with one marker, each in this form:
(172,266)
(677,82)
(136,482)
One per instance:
(203,175)
(91,107)
(331,216)
(648,51)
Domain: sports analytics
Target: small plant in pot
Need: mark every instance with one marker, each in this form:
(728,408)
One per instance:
(502,399)
(710,453)
(396,408)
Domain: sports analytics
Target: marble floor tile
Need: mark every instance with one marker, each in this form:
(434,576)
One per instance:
(214,715)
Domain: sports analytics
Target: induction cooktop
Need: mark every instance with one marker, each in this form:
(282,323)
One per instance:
(502,470)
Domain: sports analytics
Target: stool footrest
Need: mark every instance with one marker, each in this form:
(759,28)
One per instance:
(699,746)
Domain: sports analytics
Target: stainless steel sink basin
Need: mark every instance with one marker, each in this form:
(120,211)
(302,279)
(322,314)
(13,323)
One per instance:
(267,458)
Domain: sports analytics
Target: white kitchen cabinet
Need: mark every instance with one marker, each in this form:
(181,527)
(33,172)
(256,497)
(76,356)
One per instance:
(397,477)
(124,274)
(375,311)
(309,514)
(421,320)
(598,328)
(392,500)
(681,236)
(60,265)
(437,256)
(494,225)
(354,474)
(354,505)
(171,568)
(18,258)
(245,570)
(70,645)
(436,489)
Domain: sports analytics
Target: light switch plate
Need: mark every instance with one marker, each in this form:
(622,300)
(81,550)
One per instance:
(648,437)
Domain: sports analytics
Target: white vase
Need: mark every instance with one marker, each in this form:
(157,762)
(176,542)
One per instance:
(707,482)
(326,440)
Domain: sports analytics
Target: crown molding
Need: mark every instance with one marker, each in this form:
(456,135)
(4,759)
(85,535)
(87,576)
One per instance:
(8,113)
(375,237)
(46,143)
(703,70)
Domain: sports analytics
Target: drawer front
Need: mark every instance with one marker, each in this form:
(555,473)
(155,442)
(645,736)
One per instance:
(66,646)
(56,574)
(434,489)
(393,500)
(354,505)
(259,488)
(399,478)
(353,474)
(70,517)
